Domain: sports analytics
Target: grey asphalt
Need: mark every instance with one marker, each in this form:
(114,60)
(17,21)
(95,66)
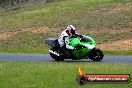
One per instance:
(47,58)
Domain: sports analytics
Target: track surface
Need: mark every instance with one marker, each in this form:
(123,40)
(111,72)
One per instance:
(47,58)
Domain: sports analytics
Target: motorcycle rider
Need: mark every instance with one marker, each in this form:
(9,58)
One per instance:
(63,40)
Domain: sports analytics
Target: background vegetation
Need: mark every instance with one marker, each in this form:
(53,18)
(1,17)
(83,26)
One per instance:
(86,15)
(24,24)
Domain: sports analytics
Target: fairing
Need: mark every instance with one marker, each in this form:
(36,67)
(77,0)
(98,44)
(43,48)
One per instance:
(87,46)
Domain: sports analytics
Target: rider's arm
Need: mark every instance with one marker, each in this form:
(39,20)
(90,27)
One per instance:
(67,43)
(76,34)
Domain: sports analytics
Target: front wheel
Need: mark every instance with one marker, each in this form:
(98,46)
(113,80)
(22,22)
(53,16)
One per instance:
(96,55)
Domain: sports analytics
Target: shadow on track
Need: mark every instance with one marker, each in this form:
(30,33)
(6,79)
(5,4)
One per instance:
(84,61)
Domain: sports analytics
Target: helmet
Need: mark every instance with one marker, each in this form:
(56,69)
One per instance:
(70,29)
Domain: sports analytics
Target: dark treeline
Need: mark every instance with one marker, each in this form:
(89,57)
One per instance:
(8,3)
(11,2)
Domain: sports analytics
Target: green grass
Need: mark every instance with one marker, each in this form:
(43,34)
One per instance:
(58,14)
(45,51)
(118,52)
(56,74)
(25,42)
(110,37)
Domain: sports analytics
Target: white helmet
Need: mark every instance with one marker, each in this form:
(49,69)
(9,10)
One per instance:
(70,29)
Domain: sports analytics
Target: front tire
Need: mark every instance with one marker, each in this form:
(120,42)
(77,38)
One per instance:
(96,55)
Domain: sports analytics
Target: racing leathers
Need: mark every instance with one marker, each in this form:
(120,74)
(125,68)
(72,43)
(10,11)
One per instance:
(63,40)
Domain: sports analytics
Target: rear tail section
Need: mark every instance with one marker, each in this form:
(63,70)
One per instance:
(51,42)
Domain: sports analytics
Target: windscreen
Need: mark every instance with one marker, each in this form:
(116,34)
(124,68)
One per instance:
(85,39)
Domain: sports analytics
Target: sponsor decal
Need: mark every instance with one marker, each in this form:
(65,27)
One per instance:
(83,78)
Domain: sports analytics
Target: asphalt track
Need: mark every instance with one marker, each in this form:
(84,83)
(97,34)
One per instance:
(47,58)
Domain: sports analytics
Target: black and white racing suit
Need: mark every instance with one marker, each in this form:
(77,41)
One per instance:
(63,40)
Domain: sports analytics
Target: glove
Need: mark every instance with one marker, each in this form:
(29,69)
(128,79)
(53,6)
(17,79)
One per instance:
(80,36)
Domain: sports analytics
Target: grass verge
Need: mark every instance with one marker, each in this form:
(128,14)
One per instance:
(45,51)
(118,52)
(56,75)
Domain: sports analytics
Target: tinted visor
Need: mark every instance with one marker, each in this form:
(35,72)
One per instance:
(73,31)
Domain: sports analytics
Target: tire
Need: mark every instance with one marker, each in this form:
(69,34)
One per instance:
(57,58)
(96,55)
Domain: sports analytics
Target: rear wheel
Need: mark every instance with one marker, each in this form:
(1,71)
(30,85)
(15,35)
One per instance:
(96,55)
(57,58)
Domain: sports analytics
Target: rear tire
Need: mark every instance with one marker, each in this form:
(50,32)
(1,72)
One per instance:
(57,58)
(96,55)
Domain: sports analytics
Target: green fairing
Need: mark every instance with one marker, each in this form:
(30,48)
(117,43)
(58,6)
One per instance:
(81,53)
(92,41)
(74,42)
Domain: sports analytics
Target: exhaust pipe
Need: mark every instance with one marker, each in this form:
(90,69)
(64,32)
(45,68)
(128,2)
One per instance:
(54,52)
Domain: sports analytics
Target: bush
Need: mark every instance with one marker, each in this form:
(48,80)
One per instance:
(14,3)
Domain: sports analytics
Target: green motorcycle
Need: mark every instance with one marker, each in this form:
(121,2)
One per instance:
(85,48)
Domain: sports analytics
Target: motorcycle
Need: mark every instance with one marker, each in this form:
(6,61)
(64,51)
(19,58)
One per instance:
(85,48)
